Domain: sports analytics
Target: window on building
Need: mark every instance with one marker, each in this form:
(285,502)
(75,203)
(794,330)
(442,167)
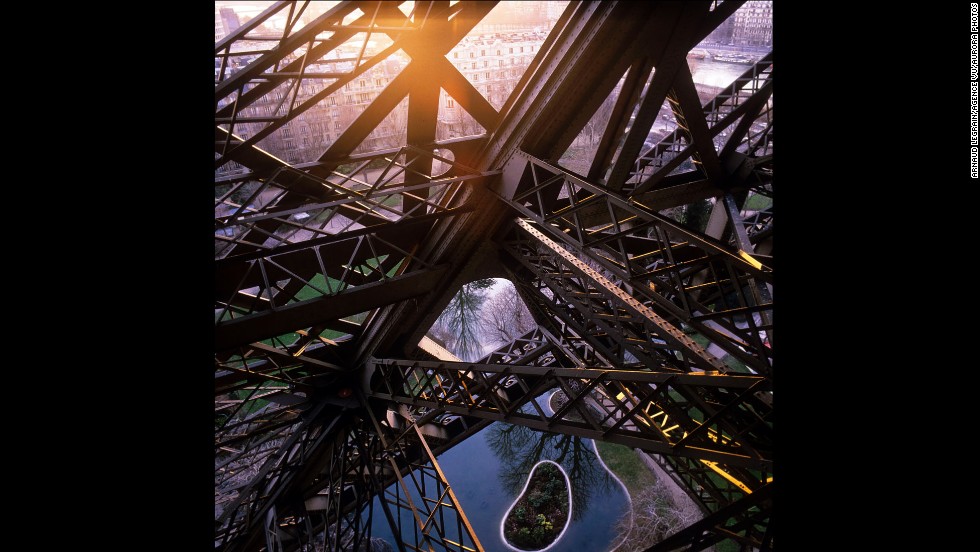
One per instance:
(473,65)
(486,63)
(500,63)
(361,83)
(455,55)
(306,142)
(472,55)
(487,75)
(379,82)
(450,103)
(336,126)
(522,49)
(498,52)
(512,50)
(483,53)
(286,133)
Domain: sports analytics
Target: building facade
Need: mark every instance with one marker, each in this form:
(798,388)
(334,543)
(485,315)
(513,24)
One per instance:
(493,63)
(753,24)
(229,20)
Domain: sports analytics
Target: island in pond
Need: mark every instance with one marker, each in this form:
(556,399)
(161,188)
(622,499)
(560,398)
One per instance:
(540,514)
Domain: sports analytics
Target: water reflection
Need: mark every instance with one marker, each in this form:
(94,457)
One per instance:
(488,470)
(518,449)
(716,74)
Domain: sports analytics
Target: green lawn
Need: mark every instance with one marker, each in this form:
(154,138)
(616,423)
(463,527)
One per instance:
(730,361)
(699,339)
(736,364)
(286,339)
(320,281)
(394,200)
(757,202)
(321,286)
(727,545)
(624,462)
(309,292)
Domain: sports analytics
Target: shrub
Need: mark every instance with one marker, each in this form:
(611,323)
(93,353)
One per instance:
(537,498)
(528,525)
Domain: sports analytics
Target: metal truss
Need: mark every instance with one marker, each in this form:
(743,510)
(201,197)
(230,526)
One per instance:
(711,417)
(747,522)
(271,460)
(684,279)
(338,517)
(295,59)
(329,270)
(710,484)
(372,221)
(320,490)
(260,78)
(744,101)
(373,191)
(604,309)
(439,519)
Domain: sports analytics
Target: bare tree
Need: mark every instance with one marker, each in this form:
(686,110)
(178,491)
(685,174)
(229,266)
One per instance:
(391,131)
(442,335)
(459,325)
(654,517)
(597,123)
(505,317)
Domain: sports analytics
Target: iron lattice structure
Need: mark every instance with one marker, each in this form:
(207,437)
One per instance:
(658,329)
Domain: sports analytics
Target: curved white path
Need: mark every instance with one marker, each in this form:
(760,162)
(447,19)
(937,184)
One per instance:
(629,499)
(568,517)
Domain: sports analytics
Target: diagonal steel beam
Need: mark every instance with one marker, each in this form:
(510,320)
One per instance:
(654,273)
(664,329)
(434,528)
(683,29)
(426,383)
(263,325)
(693,119)
(744,521)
